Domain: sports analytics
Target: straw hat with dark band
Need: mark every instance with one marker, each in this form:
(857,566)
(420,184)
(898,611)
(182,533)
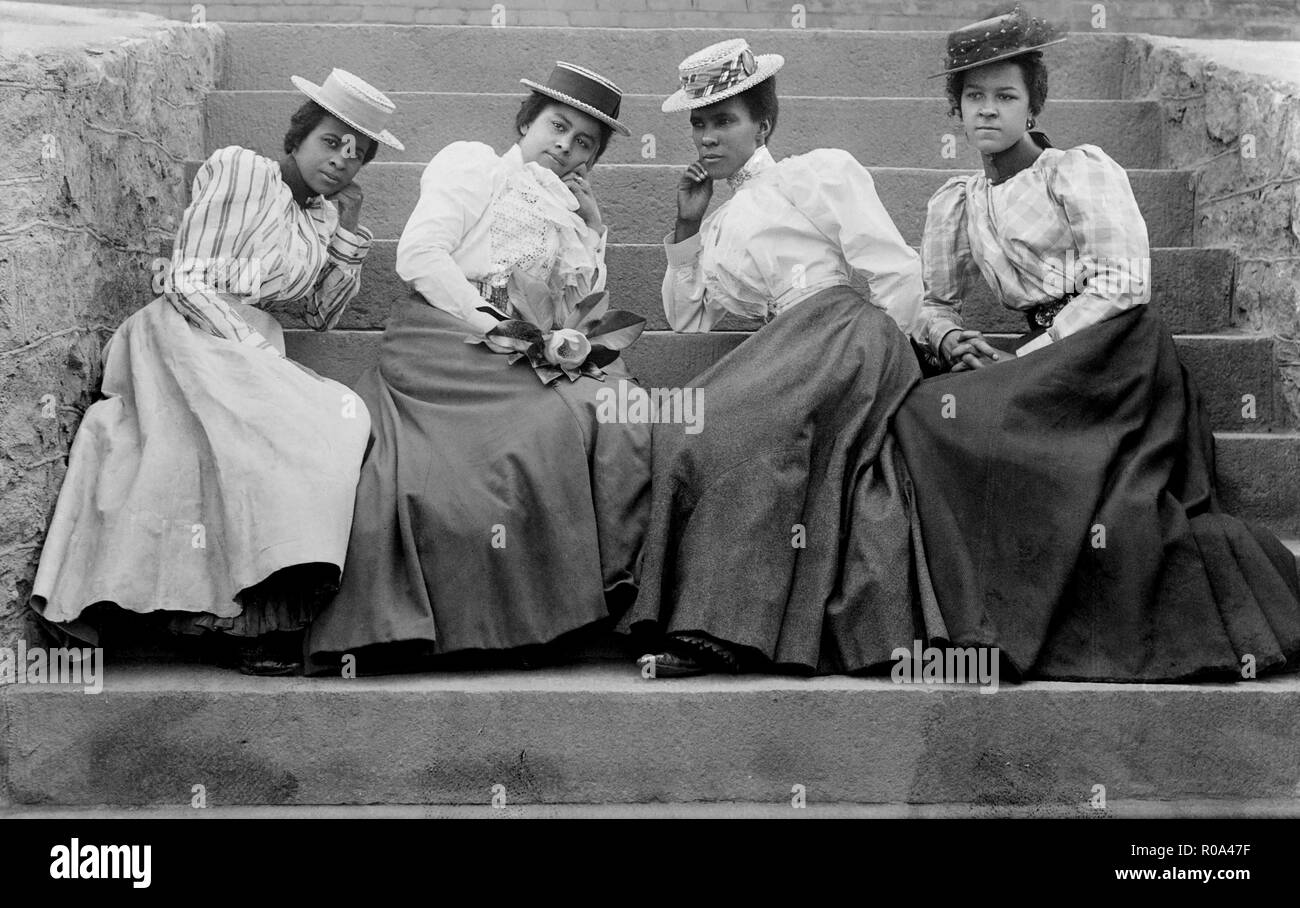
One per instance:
(583,90)
(354,101)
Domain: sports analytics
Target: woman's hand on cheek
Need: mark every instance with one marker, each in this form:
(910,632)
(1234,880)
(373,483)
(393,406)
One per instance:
(694,190)
(588,210)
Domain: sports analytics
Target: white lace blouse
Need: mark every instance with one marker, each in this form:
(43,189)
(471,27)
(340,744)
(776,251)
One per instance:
(792,229)
(481,218)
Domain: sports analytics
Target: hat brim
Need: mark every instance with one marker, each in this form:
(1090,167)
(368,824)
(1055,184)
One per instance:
(998,59)
(578,105)
(312,90)
(767,64)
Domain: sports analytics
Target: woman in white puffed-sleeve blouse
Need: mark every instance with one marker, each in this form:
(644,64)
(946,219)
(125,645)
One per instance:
(480,219)
(799,226)
(494,512)
(781,532)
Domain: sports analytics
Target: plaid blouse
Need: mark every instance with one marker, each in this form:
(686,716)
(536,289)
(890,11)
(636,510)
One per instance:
(244,239)
(1067,224)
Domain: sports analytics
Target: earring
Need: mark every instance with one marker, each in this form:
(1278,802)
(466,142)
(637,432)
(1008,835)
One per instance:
(1029,124)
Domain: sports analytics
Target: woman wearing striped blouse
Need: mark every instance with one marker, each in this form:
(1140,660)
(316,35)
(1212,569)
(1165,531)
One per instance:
(214,485)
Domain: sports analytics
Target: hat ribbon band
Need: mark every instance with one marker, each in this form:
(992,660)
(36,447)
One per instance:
(719,78)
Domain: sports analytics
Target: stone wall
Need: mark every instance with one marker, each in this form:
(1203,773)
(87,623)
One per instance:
(1269,19)
(98,113)
(1232,113)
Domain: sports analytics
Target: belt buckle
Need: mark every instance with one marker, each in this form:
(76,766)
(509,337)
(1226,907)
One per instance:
(1045,314)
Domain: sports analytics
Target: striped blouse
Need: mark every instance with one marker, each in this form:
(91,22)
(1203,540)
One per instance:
(244,239)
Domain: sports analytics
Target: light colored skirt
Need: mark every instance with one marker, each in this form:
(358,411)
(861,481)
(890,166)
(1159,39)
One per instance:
(208,467)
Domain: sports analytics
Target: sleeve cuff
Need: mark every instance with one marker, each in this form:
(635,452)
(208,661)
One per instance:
(937,330)
(1037,343)
(480,322)
(683,253)
(256,339)
(348,248)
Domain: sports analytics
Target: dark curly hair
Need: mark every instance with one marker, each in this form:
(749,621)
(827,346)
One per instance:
(305,119)
(1032,68)
(760,100)
(536,102)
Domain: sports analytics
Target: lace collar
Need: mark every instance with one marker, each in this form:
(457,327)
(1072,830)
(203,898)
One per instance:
(543,176)
(759,161)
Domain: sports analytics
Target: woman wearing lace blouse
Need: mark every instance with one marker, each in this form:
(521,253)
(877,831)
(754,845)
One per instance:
(1069,485)
(781,534)
(494,511)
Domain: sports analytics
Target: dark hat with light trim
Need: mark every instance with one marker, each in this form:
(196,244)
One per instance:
(997,39)
(584,90)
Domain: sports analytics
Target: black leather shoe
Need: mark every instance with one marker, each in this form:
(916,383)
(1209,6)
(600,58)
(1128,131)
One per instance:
(258,657)
(692,654)
(672,665)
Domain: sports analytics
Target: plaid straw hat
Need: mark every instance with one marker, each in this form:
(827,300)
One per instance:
(584,90)
(354,101)
(718,72)
(1000,38)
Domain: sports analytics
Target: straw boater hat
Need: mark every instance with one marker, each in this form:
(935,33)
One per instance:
(354,101)
(718,72)
(997,39)
(583,90)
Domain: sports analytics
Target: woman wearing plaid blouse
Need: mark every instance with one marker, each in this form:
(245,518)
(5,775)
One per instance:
(1066,489)
(214,485)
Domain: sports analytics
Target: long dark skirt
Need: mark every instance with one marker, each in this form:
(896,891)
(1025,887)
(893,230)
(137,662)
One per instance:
(492,512)
(785,525)
(1071,495)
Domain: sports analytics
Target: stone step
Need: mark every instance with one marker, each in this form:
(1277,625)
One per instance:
(600,734)
(898,132)
(820,62)
(1191,290)
(1130,808)
(1259,478)
(1227,366)
(639,201)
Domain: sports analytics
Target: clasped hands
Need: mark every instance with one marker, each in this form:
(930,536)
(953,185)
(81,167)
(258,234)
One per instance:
(962,350)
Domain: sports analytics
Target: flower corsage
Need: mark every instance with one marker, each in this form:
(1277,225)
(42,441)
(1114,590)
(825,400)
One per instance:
(590,337)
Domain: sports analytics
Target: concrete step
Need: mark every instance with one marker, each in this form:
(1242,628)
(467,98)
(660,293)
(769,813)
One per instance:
(1227,366)
(899,132)
(639,201)
(603,735)
(1191,290)
(821,62)
(1129,808)
(1259,478)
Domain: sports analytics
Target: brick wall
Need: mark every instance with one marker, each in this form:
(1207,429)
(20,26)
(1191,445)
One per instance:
(1263,19)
